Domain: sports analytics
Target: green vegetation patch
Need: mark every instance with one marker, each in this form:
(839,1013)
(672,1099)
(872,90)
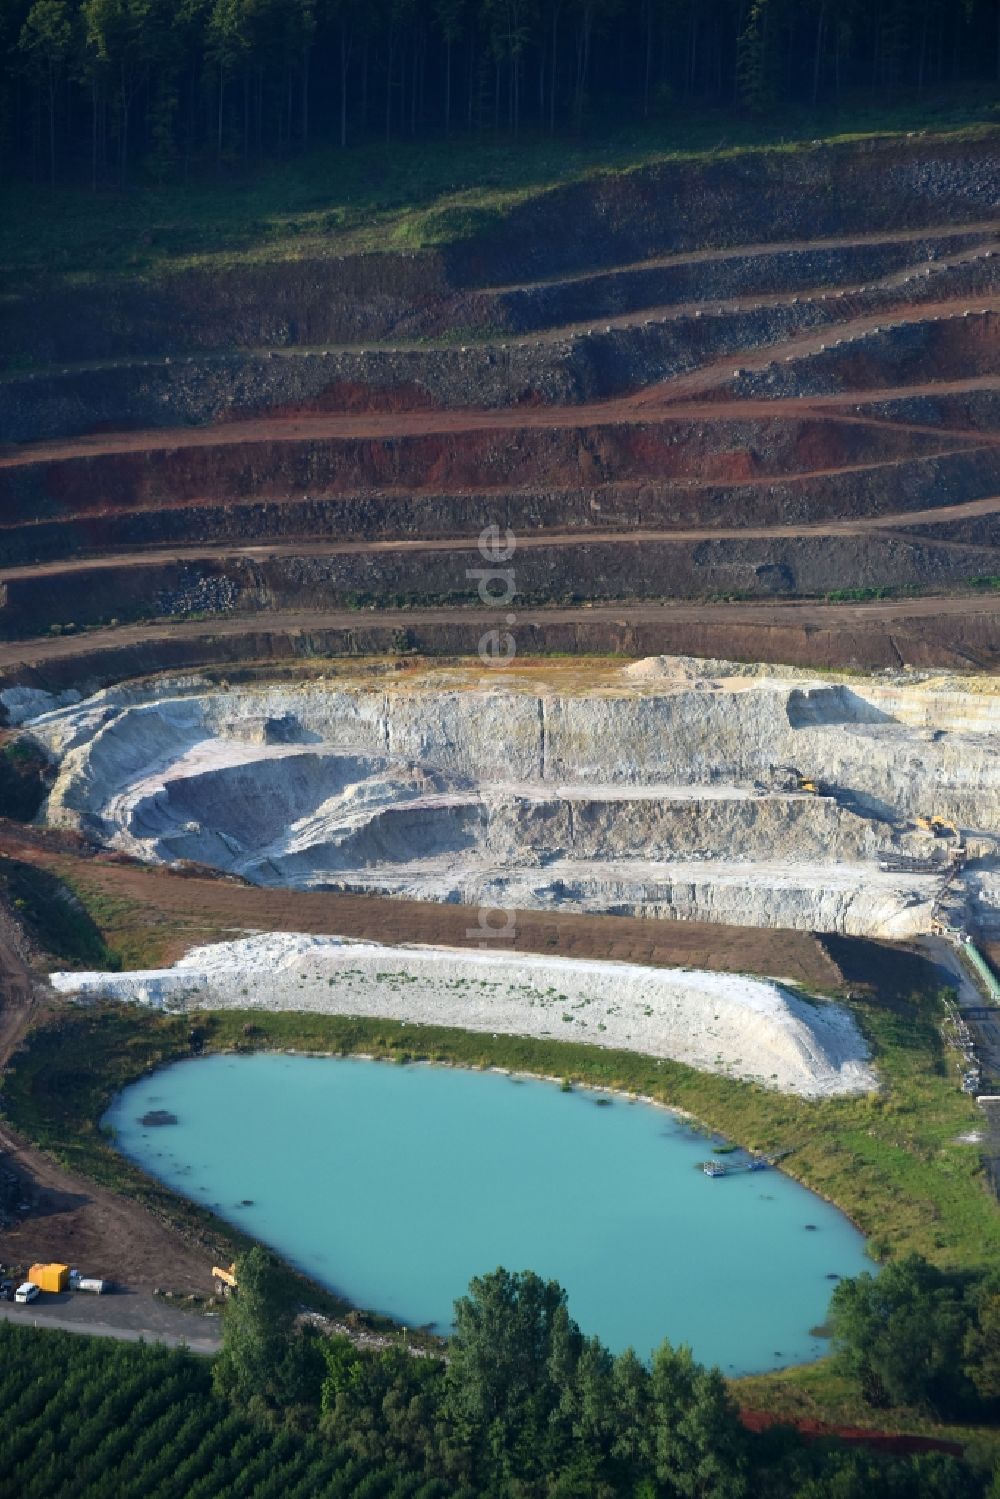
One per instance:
(415,195)
(55,920)
(136,934)
(24,774)
(524,1408)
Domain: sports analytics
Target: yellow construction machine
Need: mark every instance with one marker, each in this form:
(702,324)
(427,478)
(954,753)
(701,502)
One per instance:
(939,826)
(225,1280)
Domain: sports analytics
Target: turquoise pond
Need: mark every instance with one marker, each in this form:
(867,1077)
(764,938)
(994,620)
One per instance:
(395,1185)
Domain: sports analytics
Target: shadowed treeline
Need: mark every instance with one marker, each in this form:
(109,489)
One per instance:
(105,88)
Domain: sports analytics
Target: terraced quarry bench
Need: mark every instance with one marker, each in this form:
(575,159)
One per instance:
(663,789)
(727,388)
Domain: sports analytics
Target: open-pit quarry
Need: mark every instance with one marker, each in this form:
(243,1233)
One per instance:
(571,649)
(667,789)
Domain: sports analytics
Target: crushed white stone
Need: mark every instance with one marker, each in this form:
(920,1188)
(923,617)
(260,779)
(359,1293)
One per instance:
(754,1029)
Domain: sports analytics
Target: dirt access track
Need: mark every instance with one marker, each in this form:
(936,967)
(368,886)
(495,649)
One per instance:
(727,391)
(68,1219)
(958,632)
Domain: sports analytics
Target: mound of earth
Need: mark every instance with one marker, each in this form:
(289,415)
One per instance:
(753,1029)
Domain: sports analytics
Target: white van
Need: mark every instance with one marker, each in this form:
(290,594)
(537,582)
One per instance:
(26,1292)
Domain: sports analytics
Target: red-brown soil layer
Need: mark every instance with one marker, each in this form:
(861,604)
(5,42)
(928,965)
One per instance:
(755,423)
(174,911)
(895,1443)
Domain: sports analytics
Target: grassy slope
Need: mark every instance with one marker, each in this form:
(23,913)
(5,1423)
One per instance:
(136,934)
(404,196)
(52,917)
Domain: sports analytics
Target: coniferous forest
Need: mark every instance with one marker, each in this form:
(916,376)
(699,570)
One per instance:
(109,91)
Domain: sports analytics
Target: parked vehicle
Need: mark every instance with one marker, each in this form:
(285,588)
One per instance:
(225,1280)
(92,1283)
(26,1292)
(6,1290)
(50,1277)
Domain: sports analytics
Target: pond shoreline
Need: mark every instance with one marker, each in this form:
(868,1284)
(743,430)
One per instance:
(491,1175)
(107,1046)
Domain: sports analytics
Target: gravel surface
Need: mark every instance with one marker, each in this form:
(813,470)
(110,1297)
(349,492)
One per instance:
(131,1317)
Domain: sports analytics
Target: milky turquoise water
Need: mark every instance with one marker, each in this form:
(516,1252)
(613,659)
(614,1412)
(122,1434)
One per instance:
(395,1185)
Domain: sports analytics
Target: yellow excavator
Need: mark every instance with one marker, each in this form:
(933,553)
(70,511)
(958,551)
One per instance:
(939,826)
(225,1280)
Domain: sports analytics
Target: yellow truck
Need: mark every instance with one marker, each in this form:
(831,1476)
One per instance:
(50,1277)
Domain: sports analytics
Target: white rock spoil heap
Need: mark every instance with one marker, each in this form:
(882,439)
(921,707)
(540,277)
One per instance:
(753,1029)
(668,789)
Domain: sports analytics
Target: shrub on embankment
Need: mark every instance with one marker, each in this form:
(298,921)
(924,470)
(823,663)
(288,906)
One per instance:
(916,1336)
(24,773)
(56,923)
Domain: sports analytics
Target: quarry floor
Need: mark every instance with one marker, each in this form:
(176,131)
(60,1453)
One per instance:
(154,915)
(71,1218)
